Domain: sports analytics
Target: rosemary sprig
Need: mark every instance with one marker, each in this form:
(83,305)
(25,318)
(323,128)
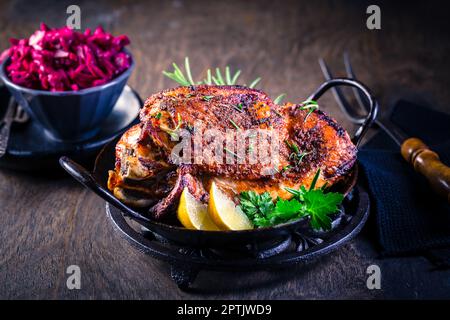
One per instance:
(219,77)
(178,76)
(293,146)
(207,98)
(239,107)
(218,80)
(227,74)
(188,70)
(301,156)
(234,124)
(296,155)
(280,98)
(310,105)
(208,79)
(254,82)
(235,77)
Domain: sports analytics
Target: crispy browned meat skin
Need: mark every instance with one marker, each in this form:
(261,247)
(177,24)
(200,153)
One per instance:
(184,180)
(137,159)
(324,143)
(141,175)
(215,107)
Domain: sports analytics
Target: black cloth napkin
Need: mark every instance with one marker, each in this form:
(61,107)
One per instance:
(410,219)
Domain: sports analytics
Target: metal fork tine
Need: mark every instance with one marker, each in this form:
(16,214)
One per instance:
(345,106)
(360,98)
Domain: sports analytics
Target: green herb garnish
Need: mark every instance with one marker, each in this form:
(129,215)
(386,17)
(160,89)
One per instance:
(173,133)
(310,105)
(258,207)
(279,98)
(234,124)
(239,107)
(296,155)
(178,76)
(301,155)
(186,79)
(158,115)
(218,79)
(293,146)
(254,82)
(207,98)
(312,203)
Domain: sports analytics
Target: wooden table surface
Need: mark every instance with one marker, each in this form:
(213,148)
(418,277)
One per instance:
(49,224)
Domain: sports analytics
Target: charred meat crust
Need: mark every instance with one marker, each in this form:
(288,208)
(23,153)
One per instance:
(322,141)
(168,203)
(331,122)
(215,104)
(222,108)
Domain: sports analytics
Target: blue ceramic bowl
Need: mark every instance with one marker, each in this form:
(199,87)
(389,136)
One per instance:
(69,115)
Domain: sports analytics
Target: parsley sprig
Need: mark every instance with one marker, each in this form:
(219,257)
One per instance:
(313,203)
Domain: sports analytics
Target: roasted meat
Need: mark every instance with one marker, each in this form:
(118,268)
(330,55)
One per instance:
(233,135)
(141,175)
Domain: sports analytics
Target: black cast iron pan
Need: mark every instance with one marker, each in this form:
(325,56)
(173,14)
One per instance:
(96,182)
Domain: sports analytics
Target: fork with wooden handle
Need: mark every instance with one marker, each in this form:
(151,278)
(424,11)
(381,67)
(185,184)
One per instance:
(414,151)
(420,156)
(427,162)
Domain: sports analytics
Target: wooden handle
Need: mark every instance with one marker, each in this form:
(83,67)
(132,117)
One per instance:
(427,162)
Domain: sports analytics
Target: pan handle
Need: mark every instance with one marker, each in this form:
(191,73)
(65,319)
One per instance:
(373,104)
(85,178)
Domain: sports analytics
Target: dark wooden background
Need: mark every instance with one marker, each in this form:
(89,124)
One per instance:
(49,224)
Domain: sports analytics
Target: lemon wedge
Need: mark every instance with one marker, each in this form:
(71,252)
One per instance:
(225,214)
(193,214)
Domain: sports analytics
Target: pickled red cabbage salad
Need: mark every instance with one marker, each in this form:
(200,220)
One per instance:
(66,60)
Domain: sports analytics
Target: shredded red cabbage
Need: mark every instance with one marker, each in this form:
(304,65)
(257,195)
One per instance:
(64,59)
